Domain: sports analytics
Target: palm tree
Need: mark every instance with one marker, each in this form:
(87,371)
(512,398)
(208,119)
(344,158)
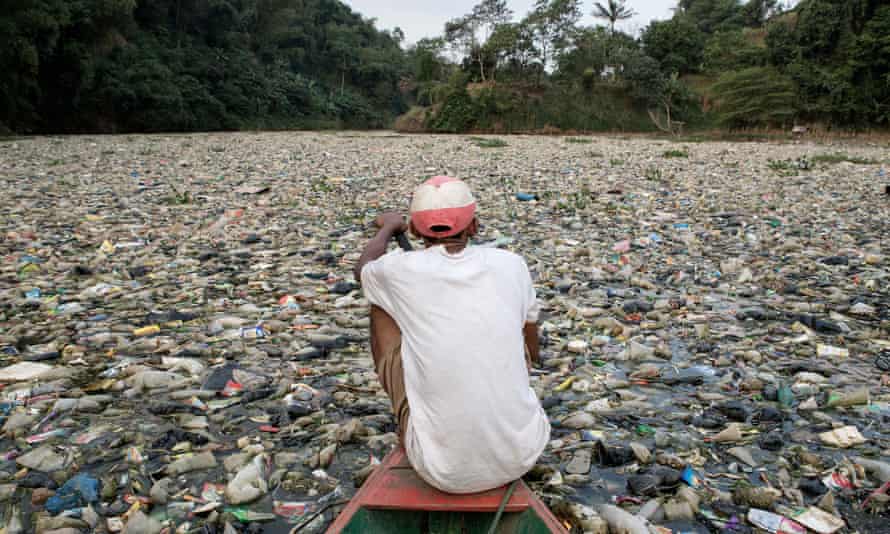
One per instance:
(613,11)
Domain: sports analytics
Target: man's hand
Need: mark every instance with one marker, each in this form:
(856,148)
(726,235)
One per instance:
(390,224)
(392,221)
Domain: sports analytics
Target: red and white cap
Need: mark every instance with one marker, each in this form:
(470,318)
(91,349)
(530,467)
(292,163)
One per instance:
(442,207)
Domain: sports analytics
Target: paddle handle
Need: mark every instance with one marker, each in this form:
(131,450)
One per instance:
(403,242)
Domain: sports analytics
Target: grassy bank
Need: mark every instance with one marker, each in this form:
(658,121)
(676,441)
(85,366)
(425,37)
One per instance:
(502,109)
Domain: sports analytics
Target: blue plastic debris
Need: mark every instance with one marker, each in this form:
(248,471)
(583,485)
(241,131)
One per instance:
(79,491)
(587,435)
(691,478)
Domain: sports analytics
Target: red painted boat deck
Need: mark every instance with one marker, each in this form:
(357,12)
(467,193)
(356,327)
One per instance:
(394,485)
(400,488)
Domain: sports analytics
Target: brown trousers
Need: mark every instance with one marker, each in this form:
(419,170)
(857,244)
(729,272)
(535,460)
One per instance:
(386,348)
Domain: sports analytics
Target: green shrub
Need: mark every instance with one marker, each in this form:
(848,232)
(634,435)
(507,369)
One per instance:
(487,142)
(653,173)
(789,167)
(758,96)
(412,121)
(459,113)
(831,159)
(733,50)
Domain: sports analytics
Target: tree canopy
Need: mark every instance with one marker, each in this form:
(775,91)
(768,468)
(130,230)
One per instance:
(614,11)
(140,65)
(128,65)
(741,63)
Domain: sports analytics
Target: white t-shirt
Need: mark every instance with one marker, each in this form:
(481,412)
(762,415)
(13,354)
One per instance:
(474,423)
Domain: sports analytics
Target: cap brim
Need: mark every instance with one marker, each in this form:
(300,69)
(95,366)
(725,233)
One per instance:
(444,222)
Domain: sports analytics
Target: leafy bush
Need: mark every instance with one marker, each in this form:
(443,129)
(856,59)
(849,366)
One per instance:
(677,44)
(733,50)
(555,108)
(832,159)
(412,122)
(486,142)
(653,173)
(458,114)
(758,96)
(789,167)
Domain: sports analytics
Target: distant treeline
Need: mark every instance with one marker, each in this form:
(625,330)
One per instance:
(179,65)
(175,65)
(727,63)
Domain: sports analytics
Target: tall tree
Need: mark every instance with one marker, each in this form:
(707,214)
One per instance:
(491,14)
(613,11)
(553,22)
(595,48)
(513,47)
(676,44)
(462,35)
(711,15)
(756,12)
(429,64)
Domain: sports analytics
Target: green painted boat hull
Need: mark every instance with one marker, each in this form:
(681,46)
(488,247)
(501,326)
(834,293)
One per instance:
(367,521)
(395,500)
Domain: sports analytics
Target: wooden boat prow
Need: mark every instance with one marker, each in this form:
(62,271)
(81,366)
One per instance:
(395,499)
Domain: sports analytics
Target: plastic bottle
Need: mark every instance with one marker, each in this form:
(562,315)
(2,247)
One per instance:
(250,482)
(147,331)
(880,470)
(204,460)
(785,396)
(621,521)
(253,332)
(774,523)
(852,398)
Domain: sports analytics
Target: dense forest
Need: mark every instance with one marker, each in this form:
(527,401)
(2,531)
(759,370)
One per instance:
(180,65)
(174,65)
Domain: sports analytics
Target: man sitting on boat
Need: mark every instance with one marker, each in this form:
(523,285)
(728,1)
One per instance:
(451,328)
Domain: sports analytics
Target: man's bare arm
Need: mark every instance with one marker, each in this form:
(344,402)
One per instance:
(532,343)
(390,224)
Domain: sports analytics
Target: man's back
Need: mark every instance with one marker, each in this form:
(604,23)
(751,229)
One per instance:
(474,422)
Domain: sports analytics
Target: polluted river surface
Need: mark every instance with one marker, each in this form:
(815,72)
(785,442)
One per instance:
(183,347)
